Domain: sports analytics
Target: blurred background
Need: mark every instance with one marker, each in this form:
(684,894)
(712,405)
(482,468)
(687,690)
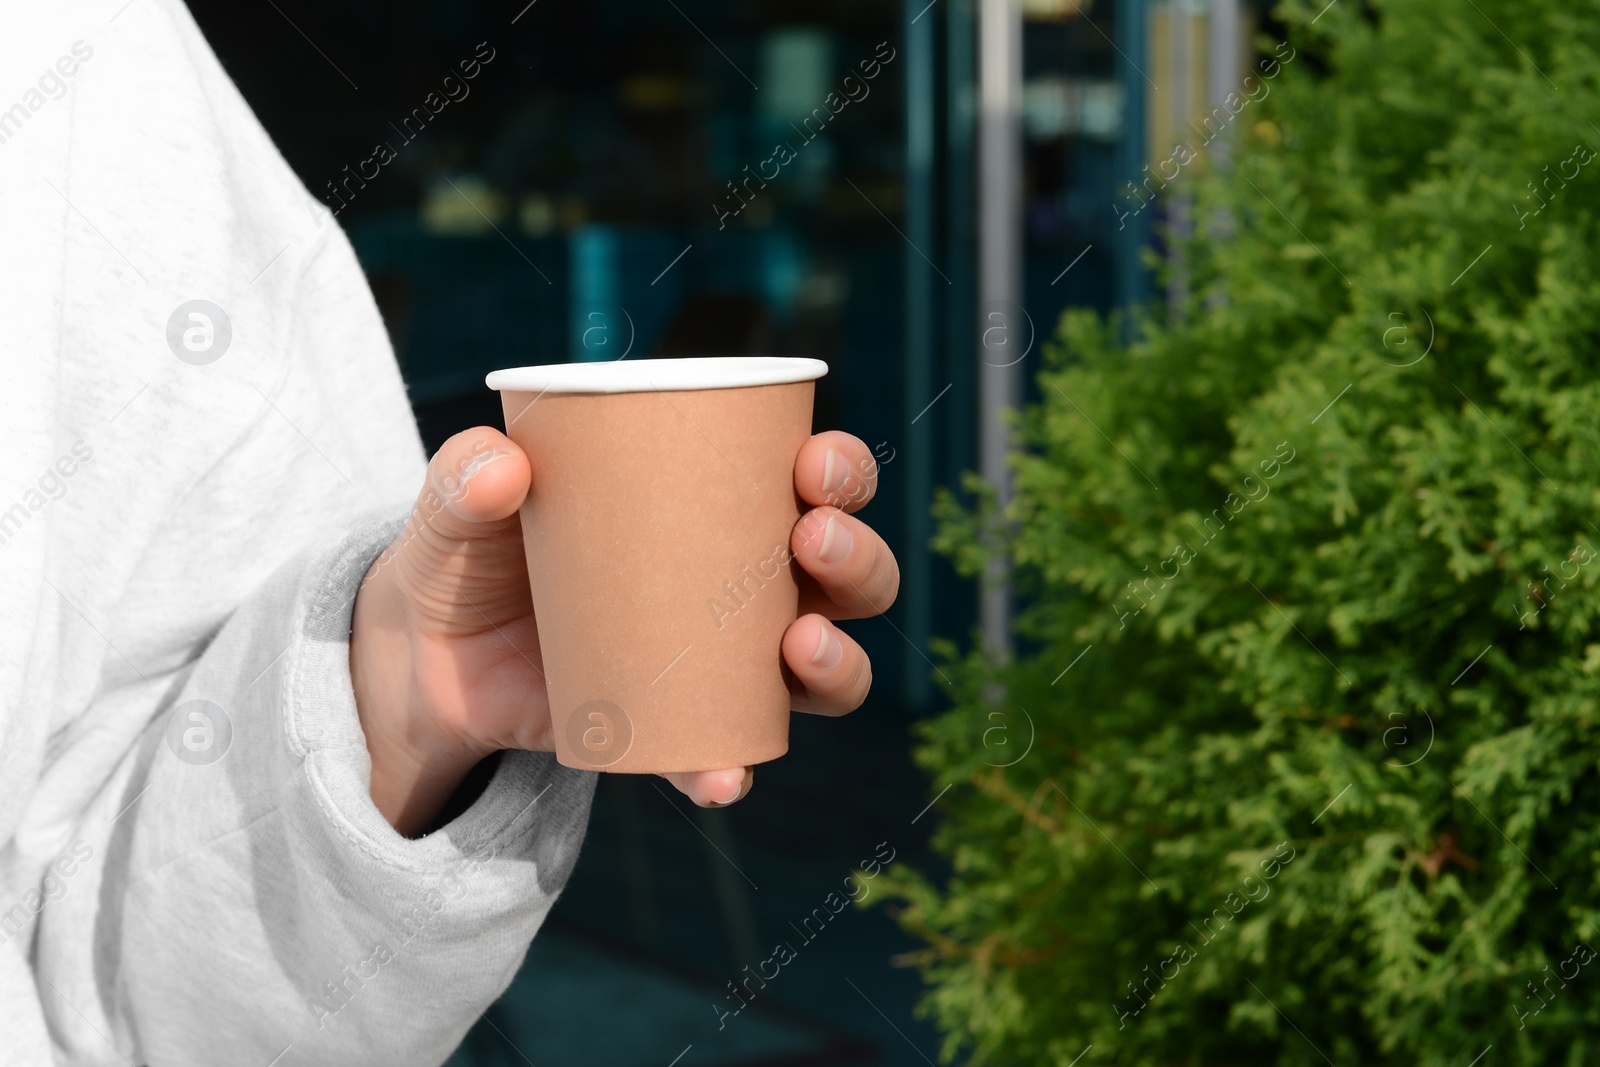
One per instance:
(602,186)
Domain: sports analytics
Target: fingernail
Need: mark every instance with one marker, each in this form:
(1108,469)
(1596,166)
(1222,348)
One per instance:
(829,650)
(455,487)
(837,541)
(835,472)
(478,462)
(452,485)
(738,791)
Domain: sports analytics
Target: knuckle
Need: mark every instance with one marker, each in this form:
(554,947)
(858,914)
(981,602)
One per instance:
(882,582)
(859,684)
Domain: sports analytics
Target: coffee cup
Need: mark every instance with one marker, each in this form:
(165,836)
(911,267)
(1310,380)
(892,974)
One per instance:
(657,536)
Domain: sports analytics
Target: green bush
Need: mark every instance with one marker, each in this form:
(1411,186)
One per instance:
(1322,789)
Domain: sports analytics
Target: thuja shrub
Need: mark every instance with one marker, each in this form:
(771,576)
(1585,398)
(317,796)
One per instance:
(1297,765)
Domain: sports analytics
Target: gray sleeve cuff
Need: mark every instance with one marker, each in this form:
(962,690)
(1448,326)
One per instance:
(528,794)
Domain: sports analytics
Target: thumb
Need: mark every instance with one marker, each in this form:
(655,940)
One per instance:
(460,558)
(476,482)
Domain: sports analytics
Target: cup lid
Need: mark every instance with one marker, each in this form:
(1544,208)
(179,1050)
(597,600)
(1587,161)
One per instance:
(655,375)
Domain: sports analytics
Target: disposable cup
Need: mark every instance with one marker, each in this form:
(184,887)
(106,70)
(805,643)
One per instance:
(657,538)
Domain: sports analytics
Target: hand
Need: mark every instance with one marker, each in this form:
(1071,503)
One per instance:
(444,650)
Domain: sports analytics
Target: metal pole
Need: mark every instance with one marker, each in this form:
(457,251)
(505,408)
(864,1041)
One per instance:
(1223,59)
(961,232)
(999,274)
(917,580)
(1131,282)
(1178,40)
(1224,63)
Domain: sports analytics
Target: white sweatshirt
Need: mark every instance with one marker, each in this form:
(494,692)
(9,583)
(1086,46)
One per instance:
(191,869)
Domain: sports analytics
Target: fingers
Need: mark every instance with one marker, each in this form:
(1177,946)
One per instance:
(713,789)
(855,574)
(831,671)
(836,468)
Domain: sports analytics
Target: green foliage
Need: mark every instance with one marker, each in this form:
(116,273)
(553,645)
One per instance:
(1378,656)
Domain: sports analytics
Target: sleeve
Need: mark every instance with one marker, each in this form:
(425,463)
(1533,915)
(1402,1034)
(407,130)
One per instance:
(251,905)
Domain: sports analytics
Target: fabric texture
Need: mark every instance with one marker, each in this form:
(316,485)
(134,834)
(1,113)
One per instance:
(191,868)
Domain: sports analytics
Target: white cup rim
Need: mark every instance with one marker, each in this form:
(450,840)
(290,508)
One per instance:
(657,375)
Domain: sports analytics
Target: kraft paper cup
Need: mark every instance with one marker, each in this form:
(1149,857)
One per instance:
(657,537)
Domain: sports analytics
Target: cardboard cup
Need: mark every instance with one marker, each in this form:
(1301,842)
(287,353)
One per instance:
(657,536)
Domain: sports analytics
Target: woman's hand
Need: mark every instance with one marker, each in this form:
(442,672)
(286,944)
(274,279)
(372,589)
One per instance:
(444,651)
